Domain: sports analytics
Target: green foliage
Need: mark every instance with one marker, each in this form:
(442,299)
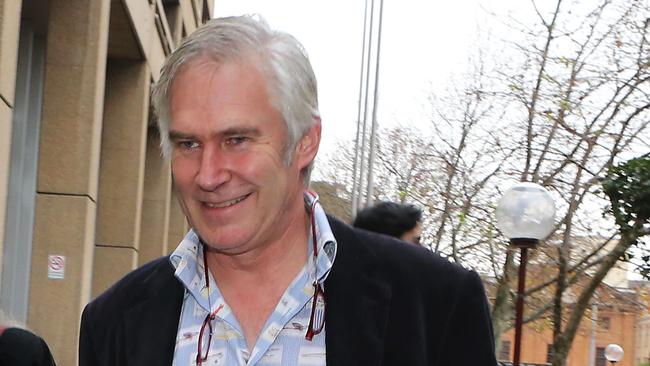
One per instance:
(628,188)
(462,218)
(402,195)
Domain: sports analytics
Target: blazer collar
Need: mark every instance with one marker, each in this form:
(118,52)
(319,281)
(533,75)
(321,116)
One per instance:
(151,325)
(357,303)
(357,306)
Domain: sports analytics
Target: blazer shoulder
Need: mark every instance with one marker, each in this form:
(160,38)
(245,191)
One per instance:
(134,286)
(396,256)
(105,321)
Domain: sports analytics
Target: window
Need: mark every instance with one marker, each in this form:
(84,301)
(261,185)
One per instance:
(603,323)
(504,354)
(23,170)
(600,356)
(549,353)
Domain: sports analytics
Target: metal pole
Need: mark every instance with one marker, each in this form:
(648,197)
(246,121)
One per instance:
(365,112)
(592,341)
(373,133)
(523,259)
(355,167)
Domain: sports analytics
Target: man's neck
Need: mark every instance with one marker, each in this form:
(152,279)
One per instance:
(277,261)
(253,282)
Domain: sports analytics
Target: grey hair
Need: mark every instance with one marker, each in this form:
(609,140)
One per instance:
(279,56)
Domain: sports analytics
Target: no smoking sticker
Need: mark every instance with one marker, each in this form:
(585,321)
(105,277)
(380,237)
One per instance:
(56,267)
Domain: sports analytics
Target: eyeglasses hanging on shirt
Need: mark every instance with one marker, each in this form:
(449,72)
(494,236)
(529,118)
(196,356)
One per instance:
(316,317)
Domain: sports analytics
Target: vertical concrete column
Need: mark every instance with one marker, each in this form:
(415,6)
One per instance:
(177,223)
(5,145)
(155,204)
(121,178)
(9,33)
(187,12)
(73,99)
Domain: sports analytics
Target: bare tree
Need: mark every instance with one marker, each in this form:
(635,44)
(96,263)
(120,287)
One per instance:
(583,89)
(571,100)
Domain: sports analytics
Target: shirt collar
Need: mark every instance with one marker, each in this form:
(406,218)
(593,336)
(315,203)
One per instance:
(187,258)
(326,243)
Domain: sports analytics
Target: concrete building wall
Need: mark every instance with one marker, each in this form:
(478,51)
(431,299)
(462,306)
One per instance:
(643,325)
(643,340)
(620,329)
(103,200)
(9,31)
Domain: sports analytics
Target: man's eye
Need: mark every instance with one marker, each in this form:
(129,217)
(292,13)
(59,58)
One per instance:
(187,145)
(236,140)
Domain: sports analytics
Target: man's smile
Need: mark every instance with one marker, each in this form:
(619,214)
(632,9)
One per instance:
(224,204)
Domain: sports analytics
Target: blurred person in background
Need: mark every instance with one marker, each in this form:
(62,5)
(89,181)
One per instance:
(400,220)
(21,347)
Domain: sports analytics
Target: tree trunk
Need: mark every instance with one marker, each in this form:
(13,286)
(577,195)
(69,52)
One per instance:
(561,350)
(503,306)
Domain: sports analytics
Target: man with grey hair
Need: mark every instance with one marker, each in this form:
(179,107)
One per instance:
(264,276)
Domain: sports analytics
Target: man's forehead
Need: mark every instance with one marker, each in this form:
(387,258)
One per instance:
(211,63)
(232,89)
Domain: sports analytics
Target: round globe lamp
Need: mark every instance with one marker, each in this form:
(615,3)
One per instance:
(613,353)
(525,215)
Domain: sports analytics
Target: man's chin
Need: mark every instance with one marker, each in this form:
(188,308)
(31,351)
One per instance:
(229,244)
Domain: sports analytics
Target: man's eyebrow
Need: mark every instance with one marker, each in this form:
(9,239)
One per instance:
(233,131)
(177,135)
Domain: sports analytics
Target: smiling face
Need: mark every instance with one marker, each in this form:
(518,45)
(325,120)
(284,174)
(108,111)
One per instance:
(227,157)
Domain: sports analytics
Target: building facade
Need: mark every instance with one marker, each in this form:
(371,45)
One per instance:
(612,318)
(642,353)
(84,194)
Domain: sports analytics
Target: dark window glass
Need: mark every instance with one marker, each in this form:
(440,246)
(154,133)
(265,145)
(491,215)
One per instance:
(600,356)
(504,354)
(549,353)
(603,322)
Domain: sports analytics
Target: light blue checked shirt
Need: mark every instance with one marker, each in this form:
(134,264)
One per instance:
(282,339)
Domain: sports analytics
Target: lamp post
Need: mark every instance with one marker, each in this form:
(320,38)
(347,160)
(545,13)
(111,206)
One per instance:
(613,353)
(525,214)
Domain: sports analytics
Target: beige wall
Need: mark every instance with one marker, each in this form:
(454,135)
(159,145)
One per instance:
(71,127)
(65,226)
(156,203)
(104,196)
(126,112)
(5,145)
(537,335)
(643,338)
(177,223)
(9,31)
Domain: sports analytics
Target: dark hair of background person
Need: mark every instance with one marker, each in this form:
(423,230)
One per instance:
(20,347)
(388,218)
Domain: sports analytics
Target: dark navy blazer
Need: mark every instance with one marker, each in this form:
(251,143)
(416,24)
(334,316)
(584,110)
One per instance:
(387,303)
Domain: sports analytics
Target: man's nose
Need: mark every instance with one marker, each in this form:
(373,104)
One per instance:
(213,170)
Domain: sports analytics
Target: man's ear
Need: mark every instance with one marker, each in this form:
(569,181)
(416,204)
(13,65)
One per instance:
(307,147)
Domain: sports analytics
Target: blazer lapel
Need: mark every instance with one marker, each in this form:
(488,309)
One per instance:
(356,313)
(357,303)
(151,325)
